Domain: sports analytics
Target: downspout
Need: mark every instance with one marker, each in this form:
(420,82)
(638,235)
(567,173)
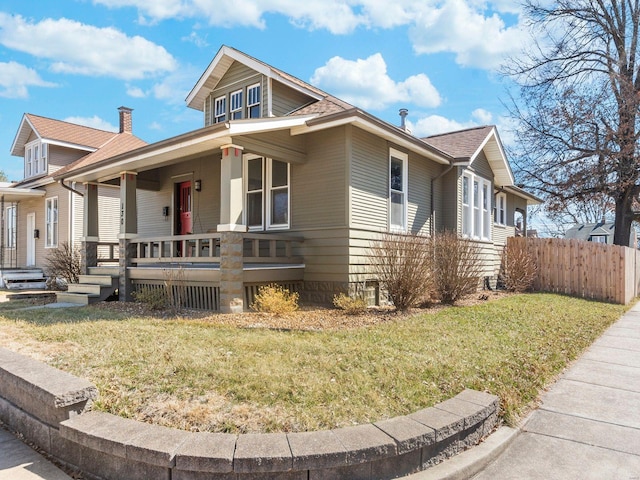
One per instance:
(72,190)
(433,208)
(64,185)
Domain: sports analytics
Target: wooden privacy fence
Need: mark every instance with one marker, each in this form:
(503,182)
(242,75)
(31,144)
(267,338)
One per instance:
(585,269)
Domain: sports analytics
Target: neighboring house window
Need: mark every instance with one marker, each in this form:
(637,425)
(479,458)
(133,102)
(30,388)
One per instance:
(51,216)
(267,194)
(598,238)
(501,209)
(236,105)
(10,238)
(35,158)
(253,101)
(397,190)
(476,207)
(220,109)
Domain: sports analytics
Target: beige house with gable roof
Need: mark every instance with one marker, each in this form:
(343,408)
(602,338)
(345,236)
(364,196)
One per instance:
(40,213)
(287,183)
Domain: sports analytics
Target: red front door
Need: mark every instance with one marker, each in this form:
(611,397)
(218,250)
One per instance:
(184,208)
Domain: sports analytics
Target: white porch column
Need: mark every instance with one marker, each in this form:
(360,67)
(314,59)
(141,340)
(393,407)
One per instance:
(128,230)
(231,190)
(90,229)
(231,228)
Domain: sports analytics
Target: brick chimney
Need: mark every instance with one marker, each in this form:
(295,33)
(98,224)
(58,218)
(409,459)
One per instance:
(125,119)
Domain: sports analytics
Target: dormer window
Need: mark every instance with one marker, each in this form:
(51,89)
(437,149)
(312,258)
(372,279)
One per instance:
(220,109)
(236,105)
(35,159)
(253,101)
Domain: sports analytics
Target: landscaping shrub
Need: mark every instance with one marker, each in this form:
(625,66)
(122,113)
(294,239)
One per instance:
(519,268)
(456,264)
(154,297)
(403,265)
(275,299)
(63,265)
(350,305)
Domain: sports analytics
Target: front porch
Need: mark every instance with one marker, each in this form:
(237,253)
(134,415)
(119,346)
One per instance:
(201,269)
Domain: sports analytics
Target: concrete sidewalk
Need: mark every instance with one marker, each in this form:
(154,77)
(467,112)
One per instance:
(588,426)
(19,462)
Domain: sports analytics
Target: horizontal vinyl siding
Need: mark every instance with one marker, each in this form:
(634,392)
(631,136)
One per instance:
(318,187)
(205,214)
(325,253)
(369,181)
(237,77)
(285,100)
(109,217)
(61,156)
(421,171)
(451,199)
(77,214)
(481,167)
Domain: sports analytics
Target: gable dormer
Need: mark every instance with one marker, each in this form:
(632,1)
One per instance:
(236,86)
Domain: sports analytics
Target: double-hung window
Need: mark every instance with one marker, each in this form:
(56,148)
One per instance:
(476,207)
(253,101)
(10,232)
(235,113)
(501,209)
(397,190)
(51,218)
(266,193)
(220,109)
(35,158)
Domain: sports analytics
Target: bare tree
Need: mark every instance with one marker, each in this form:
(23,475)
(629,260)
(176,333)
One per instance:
(578,105)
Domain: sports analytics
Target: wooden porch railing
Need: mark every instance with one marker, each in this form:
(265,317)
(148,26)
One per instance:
(107,252)
(205,248)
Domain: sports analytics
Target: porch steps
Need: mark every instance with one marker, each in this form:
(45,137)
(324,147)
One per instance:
(90,288)
(24,279)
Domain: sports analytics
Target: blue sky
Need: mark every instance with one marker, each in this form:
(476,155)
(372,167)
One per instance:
(79,60)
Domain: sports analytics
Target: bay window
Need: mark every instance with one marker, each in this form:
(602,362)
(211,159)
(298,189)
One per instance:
(220,109)
(253,101)
(476,207)
(235,113)
(35,158)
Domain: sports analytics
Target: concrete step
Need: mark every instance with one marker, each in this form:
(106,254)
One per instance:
(30,285)
(105,280)
(20,276)
(112,271)
(93,289)
(77,298)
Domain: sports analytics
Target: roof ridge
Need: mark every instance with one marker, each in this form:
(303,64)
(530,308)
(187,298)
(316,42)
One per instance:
(69,123)
(453,132)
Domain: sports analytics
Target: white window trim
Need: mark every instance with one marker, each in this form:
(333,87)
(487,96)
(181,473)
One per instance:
(476,211)
(267,177)
(35,166)
(405,191)
(259,103)
(48,242)
(501,209)
(267,193)
(215,115)
(238,108)
(10,227)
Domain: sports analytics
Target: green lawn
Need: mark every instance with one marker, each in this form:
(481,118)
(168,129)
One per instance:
(199,375)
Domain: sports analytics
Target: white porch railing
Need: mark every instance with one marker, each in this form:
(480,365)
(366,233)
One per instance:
(205,248)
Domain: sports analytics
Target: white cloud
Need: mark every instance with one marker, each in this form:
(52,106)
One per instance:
(482,116)
(135,92)
(175,87)
(15,79)
(365,83)
(435,124)
(77,48)
(155,126)
(456,27)
(93,122)
(196,39)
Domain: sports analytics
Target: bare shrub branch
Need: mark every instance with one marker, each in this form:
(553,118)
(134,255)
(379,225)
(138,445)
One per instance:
(403,265)
(519,268)
(64,264)
(457,267)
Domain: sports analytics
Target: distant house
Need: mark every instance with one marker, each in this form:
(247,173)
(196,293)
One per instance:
(287,183)
(601,232)
(38,212)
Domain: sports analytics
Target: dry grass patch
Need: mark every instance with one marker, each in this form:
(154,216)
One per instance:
(314,369)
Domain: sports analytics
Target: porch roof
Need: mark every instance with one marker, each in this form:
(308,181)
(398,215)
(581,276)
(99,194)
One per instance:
(12,194)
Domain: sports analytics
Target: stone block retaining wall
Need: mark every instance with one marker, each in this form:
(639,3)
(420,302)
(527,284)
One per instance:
(52,409)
